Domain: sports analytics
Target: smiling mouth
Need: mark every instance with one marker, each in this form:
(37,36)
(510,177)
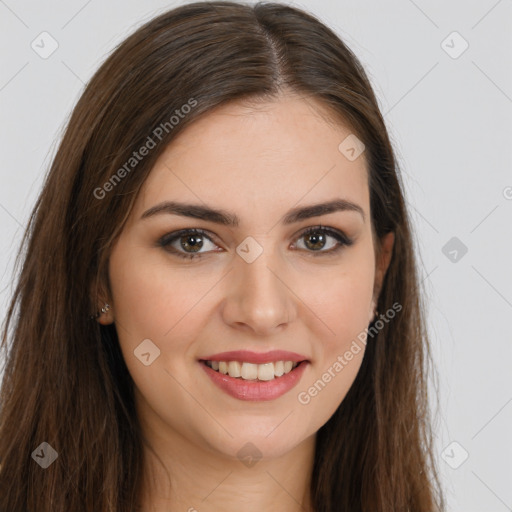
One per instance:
(250,371)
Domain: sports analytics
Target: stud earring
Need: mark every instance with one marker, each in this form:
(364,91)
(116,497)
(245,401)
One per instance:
(103,310)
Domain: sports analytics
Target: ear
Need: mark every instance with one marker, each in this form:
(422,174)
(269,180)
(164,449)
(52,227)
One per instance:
(381,265)
(107,317)
(101,298)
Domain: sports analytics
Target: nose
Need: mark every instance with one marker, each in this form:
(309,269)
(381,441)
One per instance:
(259,299)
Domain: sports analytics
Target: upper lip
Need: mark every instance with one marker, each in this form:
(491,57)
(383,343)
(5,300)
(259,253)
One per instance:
(256,357)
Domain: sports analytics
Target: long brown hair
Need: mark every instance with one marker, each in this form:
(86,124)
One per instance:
(65,381)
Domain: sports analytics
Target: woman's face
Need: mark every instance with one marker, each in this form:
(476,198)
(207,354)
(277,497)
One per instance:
(259,284)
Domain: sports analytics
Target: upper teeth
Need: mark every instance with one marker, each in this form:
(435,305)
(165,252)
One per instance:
(251,371)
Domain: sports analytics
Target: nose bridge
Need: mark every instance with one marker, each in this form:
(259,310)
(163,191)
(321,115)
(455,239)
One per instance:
(259,297)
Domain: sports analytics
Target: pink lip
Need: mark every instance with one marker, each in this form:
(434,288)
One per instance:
(247,356)
(256,390)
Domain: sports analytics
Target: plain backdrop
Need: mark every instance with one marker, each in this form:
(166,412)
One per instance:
(443,76)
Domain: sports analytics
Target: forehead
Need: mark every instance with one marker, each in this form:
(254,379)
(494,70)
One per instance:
(258,159)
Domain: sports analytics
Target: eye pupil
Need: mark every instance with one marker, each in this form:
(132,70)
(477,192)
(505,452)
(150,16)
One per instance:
(318,240)
(195,245)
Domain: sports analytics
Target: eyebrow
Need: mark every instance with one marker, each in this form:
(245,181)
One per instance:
(226,218)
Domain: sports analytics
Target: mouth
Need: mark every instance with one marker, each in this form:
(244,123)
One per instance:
(244,380)
(246,371)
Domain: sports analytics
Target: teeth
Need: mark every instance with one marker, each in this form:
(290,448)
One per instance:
(251,371)
(234,369)
(266,371)
(278,368)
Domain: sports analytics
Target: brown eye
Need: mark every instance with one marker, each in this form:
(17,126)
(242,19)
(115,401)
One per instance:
(315,241)
(186,243)
(192,242)
(317,238)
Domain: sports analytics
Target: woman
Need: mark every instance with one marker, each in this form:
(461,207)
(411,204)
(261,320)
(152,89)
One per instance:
(218,307)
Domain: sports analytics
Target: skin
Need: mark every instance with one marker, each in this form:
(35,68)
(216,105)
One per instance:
(257,161)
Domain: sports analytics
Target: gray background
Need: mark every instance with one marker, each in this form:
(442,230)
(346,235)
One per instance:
(449,115)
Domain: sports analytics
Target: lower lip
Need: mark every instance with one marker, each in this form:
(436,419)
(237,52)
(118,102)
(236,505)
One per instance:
(256,390)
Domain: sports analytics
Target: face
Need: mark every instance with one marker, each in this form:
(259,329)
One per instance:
(255,282)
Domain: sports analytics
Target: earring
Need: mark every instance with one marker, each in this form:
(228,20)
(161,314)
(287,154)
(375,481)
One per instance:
(103,310)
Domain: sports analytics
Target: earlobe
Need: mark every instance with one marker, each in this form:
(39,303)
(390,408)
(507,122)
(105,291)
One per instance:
(381,266)
(387,243)
(372,312)
(105,315)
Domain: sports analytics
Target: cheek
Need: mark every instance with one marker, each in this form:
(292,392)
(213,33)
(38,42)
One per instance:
(343,307)
(344,301)
(152,300)
(342,304)
(347,310)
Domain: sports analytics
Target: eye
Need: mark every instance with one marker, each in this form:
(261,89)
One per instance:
(317,238)
(188,243)
(186,239)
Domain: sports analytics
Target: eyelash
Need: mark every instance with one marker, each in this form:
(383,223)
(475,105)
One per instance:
(169,238)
